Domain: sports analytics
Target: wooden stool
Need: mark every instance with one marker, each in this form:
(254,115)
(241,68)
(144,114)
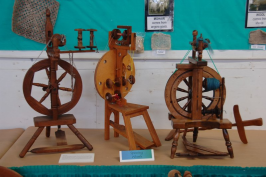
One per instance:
(128,111)
(197,150)
(47,121)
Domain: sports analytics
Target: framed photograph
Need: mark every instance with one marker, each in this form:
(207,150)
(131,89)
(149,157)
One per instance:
(256,14)
(159,15)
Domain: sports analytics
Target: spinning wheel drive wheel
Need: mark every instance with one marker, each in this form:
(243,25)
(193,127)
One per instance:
(45,65)
(106,69)
(178,93)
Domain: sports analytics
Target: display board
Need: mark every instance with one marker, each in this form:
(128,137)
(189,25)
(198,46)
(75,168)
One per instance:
(223,22)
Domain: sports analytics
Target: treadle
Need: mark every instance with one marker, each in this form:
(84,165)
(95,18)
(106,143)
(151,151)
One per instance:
(142,142)
(198,150)
(60,138)
(53,149)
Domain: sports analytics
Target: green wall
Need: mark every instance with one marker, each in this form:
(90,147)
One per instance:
(222,21)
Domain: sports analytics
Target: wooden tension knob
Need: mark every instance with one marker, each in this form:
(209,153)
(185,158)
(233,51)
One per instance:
(131,79)
(109,83)
(116,96)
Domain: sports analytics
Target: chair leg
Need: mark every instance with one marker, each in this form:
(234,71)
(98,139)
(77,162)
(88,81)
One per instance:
(129,132)
(175,143)
(151,129)
(228,143)
(116,115)
(31,141)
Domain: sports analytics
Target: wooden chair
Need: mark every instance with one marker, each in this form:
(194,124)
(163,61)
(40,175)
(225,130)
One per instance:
(129,111)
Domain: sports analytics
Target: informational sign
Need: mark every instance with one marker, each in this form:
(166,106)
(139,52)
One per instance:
(136,155)
(256,14)
(159,15)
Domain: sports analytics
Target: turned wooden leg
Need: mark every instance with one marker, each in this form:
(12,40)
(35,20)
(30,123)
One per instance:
(185,132)
(151,129)
(48,131)
(195,134)
(80,137)
(228,143)
(107,115)
(31,141)
(175,142)
(170,135)
(116,115)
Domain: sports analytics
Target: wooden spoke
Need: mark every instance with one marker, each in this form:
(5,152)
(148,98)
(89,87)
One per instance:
(61,77)
(186,105)
(65,89)
(58,100)
(40,85)
(182,98)
(47,73)
(208,98)
(181,90)
(204,107)
(45,95)
(187,83)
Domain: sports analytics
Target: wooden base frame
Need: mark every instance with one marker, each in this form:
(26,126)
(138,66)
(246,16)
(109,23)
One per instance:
(128,111)
(47,121)
(196,150)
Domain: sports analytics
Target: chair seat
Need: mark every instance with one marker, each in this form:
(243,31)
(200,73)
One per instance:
(129,108)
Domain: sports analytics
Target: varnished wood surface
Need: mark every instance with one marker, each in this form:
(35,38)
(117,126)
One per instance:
(187,123)
(64,119)
(130,111)
(130,108)
(106,152)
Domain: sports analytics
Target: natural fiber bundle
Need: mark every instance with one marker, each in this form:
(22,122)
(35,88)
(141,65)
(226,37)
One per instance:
(257,37)
(29,18)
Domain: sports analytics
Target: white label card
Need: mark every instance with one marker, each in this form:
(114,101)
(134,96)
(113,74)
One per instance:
(258,47)
(160,52)
(159,23)
(77,158)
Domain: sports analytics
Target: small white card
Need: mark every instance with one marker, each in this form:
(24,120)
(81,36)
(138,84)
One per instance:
(136,155)
(257,47)
(160,52)
(77,158)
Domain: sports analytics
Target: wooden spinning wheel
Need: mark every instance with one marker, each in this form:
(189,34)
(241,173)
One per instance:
(55,114)
(105,79)
(178,94)
(44,66)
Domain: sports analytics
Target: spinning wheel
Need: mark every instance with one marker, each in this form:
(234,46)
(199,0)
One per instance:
(178,94)
(55,114)
(113,79)
(44,65)
(195,95)
(105,79)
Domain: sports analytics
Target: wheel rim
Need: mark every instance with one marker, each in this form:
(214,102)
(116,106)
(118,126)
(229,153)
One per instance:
(178,103)
(37,105)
